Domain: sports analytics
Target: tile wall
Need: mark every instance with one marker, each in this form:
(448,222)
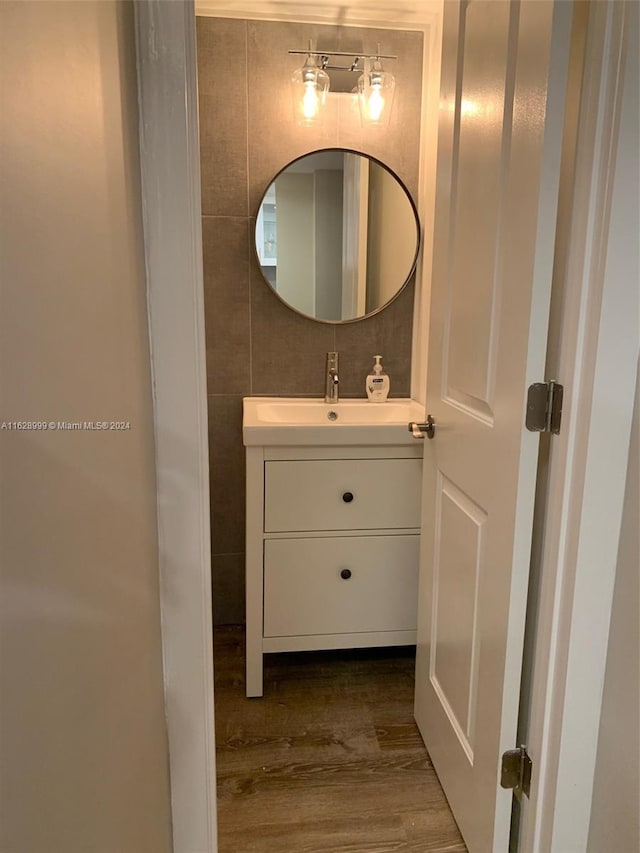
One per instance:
(255,344)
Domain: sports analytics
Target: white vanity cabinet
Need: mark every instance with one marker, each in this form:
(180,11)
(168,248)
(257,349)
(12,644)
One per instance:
(332,549)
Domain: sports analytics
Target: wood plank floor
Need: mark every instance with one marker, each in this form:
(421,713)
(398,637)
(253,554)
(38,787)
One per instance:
(329,760)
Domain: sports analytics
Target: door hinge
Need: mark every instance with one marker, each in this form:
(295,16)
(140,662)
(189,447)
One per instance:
(544,407)
(515,771)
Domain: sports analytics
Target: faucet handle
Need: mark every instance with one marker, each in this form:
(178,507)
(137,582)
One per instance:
(331,378)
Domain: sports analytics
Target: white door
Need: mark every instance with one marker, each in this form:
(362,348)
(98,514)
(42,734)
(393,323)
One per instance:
(502,104)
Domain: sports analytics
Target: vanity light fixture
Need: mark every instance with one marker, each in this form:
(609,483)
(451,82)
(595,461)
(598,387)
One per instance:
(376,88)
(309,87)
(310,83)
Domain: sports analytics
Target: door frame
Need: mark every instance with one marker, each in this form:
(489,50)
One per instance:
(170,168)
(597,361)
(171,211)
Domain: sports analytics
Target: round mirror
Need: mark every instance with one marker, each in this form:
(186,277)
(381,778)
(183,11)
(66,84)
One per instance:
(337,235)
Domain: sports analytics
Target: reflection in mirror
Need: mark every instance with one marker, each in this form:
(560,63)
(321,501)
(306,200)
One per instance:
(337,235)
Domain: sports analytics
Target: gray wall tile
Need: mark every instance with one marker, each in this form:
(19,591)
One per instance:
(387,333)
(289,351)
(227,468)
(225,243)
(397,340)
(222,83)
(227,590)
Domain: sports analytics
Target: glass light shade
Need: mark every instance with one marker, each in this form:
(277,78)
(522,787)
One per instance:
(309,87)
(376,89)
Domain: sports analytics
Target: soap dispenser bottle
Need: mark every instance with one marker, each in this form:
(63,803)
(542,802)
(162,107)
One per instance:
(378,383)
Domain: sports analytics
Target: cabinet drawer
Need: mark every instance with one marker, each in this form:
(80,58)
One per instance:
(304,592)
(314,495)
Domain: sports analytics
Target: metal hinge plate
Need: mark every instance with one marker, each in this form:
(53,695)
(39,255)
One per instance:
(544,407)
(516,771)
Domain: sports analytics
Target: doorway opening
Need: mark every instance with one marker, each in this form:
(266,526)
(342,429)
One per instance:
(326,742)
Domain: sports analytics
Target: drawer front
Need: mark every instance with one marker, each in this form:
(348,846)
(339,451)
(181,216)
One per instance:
(351,494)
(305,594)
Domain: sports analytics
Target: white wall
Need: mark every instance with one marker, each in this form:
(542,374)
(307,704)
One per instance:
(328,243)
(295,281)
(615,810)
(615,814)
(82,732)
(391,241)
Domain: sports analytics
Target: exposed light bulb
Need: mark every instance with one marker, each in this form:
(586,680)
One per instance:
(310,101)
(375,103)
(375,94)
(309,87)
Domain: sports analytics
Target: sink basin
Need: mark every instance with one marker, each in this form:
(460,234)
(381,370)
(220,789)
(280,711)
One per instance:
(295,421)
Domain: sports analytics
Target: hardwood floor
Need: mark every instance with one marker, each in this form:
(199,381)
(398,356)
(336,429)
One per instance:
(329,760)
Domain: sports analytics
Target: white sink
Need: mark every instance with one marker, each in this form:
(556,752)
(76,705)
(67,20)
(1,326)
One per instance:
(295,421)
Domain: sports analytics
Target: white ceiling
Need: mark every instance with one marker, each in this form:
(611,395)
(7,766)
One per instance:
(400,14)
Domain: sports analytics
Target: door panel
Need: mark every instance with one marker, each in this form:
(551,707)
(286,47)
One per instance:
(469,351)
(500,137)
(454,636)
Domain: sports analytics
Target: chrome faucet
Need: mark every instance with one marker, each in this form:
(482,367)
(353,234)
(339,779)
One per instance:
(331,380)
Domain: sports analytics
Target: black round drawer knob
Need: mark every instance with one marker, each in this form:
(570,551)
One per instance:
(345,574)
(347,497)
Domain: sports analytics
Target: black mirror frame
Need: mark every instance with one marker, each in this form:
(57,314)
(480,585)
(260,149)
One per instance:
(415,257)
